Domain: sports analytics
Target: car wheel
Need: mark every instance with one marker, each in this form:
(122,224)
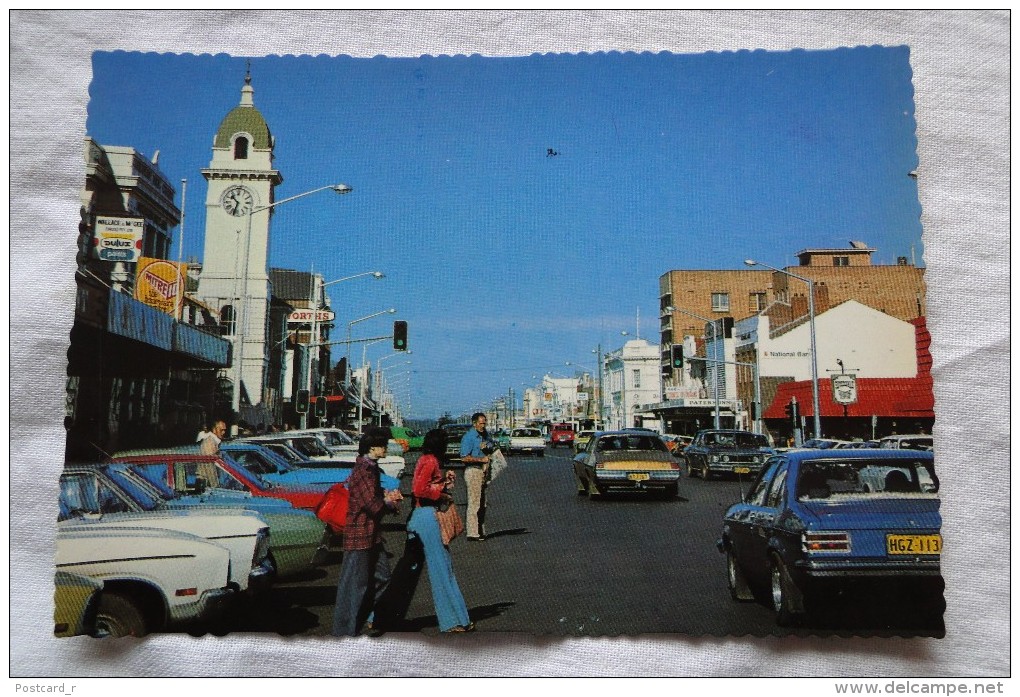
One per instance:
(671,492)
(541,453)
(690,470)
(783,591)
(118,616)
(739,590)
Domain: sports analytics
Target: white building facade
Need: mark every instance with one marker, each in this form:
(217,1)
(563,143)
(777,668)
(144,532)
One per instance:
(631,382)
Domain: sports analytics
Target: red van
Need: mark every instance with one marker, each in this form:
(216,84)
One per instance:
(561,434)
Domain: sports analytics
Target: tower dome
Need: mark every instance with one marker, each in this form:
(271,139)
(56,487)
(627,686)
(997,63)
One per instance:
(244,118)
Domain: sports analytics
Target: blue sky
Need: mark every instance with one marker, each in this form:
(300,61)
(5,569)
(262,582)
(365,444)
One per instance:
(505,261)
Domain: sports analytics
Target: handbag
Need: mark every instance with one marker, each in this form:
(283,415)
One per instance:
(450,524)
(332,510)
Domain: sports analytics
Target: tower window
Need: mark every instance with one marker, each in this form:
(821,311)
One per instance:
(241,148)
(841,261)
(720,302)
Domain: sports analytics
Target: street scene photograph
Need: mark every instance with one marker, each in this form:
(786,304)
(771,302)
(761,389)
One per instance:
(588,344)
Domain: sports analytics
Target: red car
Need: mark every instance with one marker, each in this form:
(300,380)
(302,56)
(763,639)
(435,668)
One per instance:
(182,472)
(561,434)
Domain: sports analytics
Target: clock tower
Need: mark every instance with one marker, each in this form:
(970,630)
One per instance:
(235,280)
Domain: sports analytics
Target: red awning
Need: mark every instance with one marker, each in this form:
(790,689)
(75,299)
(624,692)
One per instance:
(334,398)
(884,397)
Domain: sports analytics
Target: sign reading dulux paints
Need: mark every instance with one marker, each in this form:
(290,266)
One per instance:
(119,239)
(160,283)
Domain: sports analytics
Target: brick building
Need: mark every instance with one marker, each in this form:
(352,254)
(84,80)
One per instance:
(839,274)
(693,301)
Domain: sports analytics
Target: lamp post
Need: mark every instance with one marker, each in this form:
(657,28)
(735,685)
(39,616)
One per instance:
(364,373)
(351,324)
(241,331)
(599,416)
(715,345)
(814,351)
(378,373)
(315,340)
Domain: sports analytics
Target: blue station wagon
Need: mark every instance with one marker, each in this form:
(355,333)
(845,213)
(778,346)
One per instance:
(816,519)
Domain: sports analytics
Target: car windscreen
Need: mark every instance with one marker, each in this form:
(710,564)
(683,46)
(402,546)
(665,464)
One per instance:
(309,447)
(835,478)
(285,452)
(736,440)
(630,443)
(155,474)
(335,438)
(258,461)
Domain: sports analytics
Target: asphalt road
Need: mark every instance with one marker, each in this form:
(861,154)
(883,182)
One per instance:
(560,564)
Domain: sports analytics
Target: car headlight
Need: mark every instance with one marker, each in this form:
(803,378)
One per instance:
(725,458)
(261,547)
(714,458)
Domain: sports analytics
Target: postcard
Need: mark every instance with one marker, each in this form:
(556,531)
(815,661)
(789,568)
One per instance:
(653,325)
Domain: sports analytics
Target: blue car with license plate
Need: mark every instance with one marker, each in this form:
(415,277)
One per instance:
(814,520)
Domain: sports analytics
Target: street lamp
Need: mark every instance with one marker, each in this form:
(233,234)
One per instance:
(715,346)
(600,415)
(241,332)
(814,352)
(362,319)
(315,339)
(364,371)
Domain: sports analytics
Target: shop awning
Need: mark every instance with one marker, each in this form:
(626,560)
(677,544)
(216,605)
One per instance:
(883,397)
(134,320)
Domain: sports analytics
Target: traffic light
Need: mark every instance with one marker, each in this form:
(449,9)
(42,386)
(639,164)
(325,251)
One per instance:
(301,404)
(320,407)
(400,335)
(677,356)
(754,411)
(793,410)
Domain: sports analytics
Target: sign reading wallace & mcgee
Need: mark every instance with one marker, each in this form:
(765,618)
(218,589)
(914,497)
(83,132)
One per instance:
(118,239)
(160,283)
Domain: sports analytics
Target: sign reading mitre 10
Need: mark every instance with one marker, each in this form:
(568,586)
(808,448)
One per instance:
(118,239)
(844,389)
(306,316)
(160,283)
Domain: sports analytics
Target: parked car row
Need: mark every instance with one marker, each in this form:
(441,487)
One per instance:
(166,537)
(158,566)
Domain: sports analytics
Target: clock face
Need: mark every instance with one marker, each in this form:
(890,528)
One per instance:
(237,201)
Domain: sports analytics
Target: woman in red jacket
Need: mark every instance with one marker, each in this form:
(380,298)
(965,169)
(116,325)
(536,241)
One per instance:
(431,489)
